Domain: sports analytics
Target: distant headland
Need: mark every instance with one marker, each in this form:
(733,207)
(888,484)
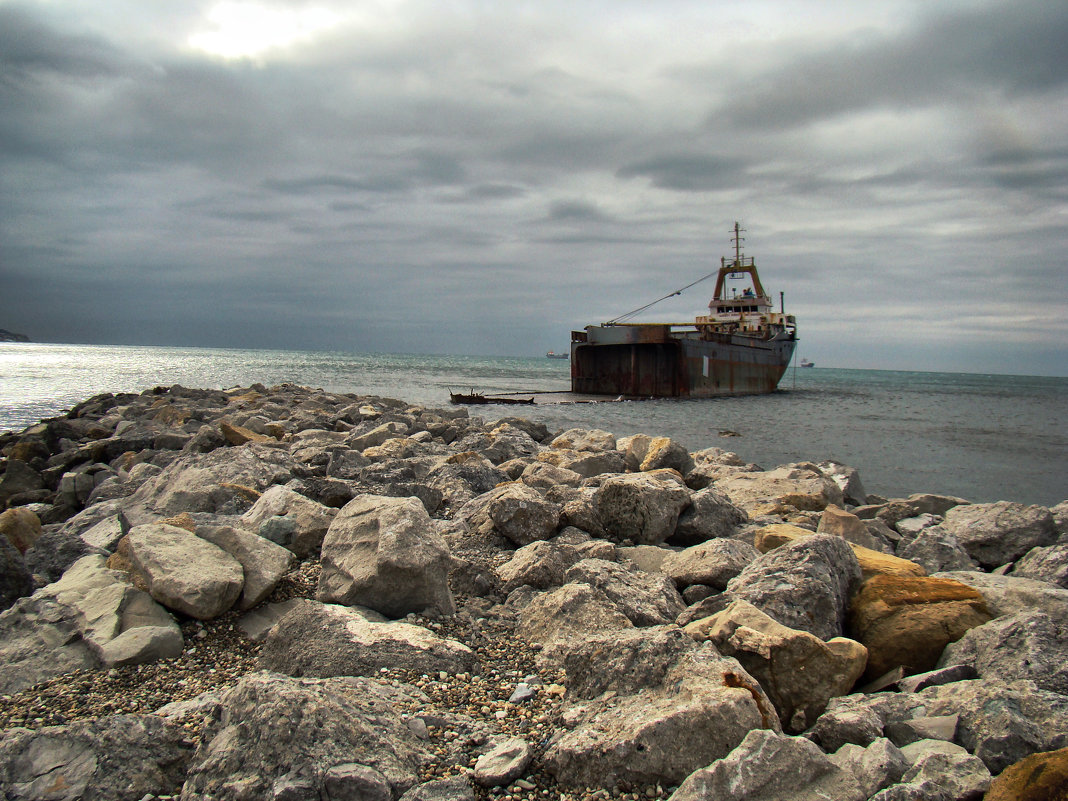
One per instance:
(11,336)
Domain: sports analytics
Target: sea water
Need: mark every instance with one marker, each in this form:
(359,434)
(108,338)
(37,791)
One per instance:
(980,437)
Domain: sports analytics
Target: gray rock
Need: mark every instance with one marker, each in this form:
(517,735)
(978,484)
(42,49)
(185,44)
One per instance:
(55,551)
(18,478)
(1027,645)
(1048,564)
(646,599)
(352,780)
(767,766)
(40,638)
(114,758)
(505,762)
(913,791)
(269,728)
(385,554)
(804,585)
(540,565)
(106,534)
(1006,595)
(514,511)
(463,477)
(959,777)
(713,563)
(857,724)
(324,640)
(454,789)
(310,519)
(936,550)
(848,480)
(1000,722)
(182,571)
(703,709)
(568,615)
(879,765)
(143,644)
(624,662)
(225,481)
(998,533)
(802,486)
(544,476)
(257,623)
(641,507)
(263,562)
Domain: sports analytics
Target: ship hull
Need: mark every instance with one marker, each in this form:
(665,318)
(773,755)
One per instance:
(655,361)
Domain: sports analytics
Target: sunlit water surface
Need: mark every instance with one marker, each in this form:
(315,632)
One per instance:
(982,437)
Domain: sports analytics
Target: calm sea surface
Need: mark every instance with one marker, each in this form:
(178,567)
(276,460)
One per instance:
(982,437)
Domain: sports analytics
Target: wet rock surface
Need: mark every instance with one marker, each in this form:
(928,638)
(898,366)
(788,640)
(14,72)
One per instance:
(286,593)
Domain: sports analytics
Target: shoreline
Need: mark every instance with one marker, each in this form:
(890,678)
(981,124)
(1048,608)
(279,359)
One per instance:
(547,560)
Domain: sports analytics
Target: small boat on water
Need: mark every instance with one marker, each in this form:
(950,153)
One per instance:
(807,363)
(741,347)
(477,399)
(554,355)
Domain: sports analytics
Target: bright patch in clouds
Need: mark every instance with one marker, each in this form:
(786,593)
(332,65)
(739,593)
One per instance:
(246,30)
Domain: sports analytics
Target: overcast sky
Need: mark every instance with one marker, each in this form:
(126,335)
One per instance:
(483,177)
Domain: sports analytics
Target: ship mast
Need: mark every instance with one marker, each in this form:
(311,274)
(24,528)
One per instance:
(737,239)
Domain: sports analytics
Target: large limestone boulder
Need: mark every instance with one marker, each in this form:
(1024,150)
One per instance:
(91,617)
(703,709)
(112,758)
(871,562)
(996,534)
(768,766)
(709,516)
(280,737)
(804,585)
(262,561)
(324,640)
(385,554)
(908,621)
(799,672)
(310,519)
(182,571)
(875,767)
(800,486)
(514,511)
(646,599)
(1027,645)
(712,563)
(641,507)
(224,481)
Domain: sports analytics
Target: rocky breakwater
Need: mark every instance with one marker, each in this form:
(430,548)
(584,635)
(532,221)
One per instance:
(283,593)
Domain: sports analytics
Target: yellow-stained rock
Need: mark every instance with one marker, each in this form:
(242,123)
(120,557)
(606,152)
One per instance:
(21,527)
(908,620)
(238,435)
(1038,777)
(872,563)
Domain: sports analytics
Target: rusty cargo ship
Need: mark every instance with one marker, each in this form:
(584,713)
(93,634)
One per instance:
(741,347)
